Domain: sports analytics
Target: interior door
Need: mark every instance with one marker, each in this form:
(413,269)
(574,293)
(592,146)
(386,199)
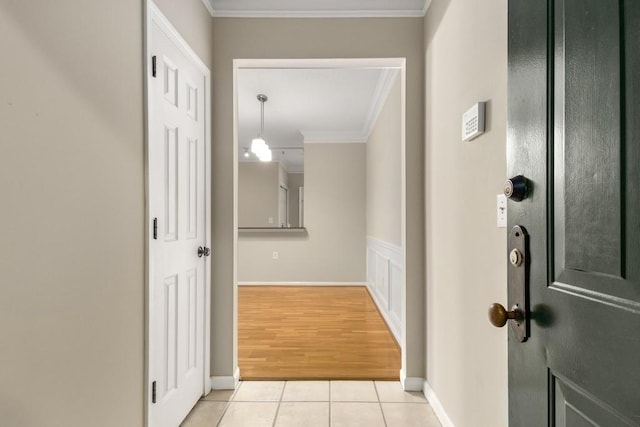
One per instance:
(574,133)
(177,248)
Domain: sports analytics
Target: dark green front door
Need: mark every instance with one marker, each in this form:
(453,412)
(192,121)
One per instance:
(574,132)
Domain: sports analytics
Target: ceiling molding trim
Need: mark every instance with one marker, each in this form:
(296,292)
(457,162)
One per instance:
(209,6)
(427,3)
(378,99)
(333,137)
(411,13)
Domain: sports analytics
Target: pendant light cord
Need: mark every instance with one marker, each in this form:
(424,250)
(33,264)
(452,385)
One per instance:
(261,119)
(262,98)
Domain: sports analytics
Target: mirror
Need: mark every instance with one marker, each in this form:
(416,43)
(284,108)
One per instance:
(286,109)
(271,192)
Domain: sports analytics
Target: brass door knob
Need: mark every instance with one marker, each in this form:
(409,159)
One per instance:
(498,315)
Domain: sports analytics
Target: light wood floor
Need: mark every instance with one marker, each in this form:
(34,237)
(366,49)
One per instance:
(309,332)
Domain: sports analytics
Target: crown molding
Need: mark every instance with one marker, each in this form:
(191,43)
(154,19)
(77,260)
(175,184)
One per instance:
(427,3)
(378,99)
(209,7)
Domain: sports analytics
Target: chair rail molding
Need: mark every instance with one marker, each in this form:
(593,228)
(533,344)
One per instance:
(384,281)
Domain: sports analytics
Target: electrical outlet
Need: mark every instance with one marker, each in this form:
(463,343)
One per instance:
(501,201)
(275,255)
(270,220)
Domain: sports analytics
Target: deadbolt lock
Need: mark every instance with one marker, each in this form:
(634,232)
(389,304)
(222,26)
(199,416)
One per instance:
(516,188)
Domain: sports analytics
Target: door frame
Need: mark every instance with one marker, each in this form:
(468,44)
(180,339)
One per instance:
(400,64)
(153,15)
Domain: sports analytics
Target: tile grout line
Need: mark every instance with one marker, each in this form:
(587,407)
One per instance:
(384,419)
(226,407)
(330,403)
(275,418)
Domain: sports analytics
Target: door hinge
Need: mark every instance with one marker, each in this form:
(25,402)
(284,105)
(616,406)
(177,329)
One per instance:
(153,65)
(153,392)
(155,228)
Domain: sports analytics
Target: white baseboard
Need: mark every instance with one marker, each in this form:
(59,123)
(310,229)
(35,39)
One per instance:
(302,283)
(226,383)
(410,383)
(437,407)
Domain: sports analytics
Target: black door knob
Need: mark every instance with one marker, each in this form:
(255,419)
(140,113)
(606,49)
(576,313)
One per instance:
(203,251)
(516,188)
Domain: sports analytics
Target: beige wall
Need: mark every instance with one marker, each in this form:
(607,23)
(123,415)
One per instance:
(72,247)
(466,62)
(258,185)
(333,249)
(194,23)
(383,172)
(315,38)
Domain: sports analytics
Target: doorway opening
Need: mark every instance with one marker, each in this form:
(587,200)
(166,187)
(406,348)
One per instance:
(304,252)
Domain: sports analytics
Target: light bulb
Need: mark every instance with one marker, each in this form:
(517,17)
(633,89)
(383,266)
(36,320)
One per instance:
(257,145)
(265,155)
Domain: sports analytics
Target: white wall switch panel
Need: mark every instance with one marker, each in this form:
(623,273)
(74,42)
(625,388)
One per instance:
(502,210)
(473,122)
(275,255)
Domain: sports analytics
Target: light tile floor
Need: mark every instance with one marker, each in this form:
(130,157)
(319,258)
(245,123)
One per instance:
(313,403)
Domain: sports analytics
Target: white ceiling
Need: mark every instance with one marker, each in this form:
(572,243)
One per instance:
(316,105)
(317,8)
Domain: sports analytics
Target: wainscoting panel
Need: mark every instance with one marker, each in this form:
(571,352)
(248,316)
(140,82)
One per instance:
(384,281)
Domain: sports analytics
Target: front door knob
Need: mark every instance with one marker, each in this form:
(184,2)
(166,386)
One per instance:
(498,315)
(516,188)
(203,251)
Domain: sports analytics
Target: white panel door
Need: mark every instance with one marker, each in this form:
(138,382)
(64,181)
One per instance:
(177,200)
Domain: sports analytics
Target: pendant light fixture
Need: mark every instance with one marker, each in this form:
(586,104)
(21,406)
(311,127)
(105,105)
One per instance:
(258,146)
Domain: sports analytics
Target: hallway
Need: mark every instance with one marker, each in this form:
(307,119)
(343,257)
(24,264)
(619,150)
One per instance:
(75,145)
(313,403)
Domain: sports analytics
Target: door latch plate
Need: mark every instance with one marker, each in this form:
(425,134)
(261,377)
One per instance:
(518,276)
